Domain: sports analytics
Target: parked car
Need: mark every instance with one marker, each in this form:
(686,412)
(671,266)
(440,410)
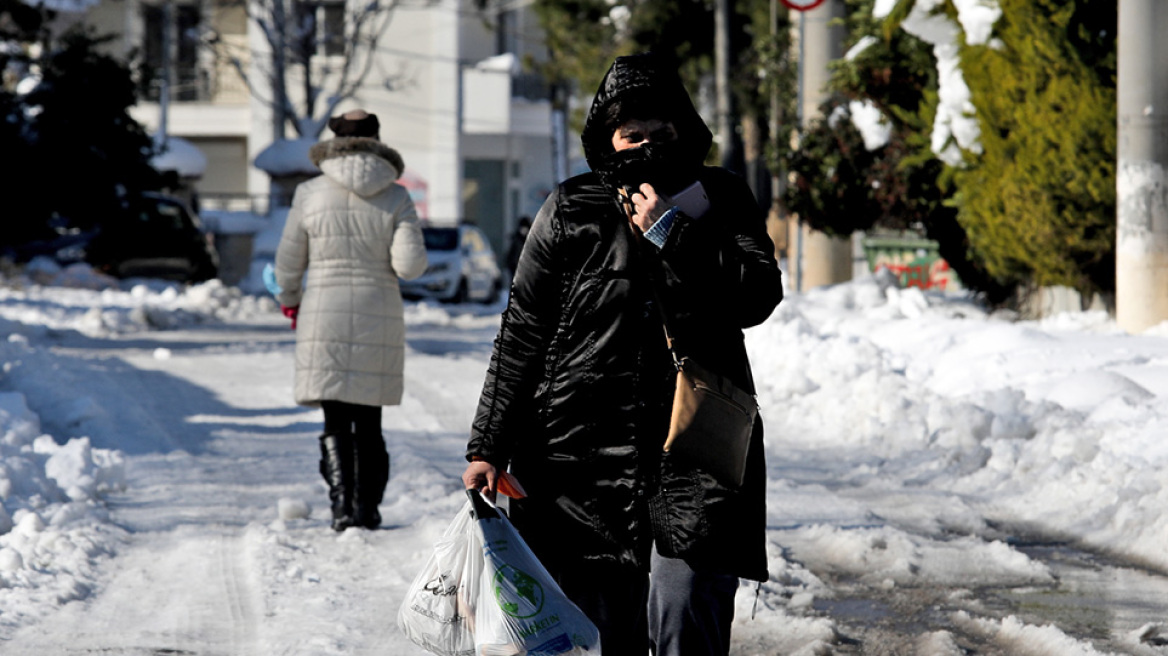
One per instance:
(154,236)
(462,267)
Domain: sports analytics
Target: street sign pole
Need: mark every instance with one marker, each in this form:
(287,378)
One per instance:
(801,6)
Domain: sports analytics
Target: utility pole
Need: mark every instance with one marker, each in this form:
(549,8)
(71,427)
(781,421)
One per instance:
(801,117)
(819,259)
(729,151)
(722,76)
(777,218)
(164,83)
(1141,272)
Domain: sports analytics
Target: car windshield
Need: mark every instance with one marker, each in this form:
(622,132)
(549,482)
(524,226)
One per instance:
(440,239)
(156,214)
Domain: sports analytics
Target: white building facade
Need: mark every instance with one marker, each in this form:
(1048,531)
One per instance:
(447,85)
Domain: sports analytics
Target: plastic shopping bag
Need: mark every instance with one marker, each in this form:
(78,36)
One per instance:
(269,277)
(482,592)
(519,609)
(436,614)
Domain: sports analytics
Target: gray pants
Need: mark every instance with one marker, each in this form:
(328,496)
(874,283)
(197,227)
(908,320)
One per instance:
(689,612)
(674,611)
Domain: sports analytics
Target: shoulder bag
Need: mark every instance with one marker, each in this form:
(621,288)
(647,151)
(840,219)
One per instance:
(712,418)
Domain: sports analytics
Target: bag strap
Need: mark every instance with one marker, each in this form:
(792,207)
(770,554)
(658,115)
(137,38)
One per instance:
(639,239)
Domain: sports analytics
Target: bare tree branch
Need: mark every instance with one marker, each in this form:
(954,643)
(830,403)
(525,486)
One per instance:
(292,30)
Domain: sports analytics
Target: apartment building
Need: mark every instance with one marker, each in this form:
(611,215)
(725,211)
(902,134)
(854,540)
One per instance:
(447,83)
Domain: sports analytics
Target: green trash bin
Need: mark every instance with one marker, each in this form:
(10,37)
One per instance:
(914,260)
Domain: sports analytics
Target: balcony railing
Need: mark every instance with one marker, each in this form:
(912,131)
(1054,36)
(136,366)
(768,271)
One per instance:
(198,84)
(257,204)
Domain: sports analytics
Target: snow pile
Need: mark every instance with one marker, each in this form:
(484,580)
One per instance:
(42,270)
(1018,637)
(53,530)
(1056,424)
(504,63)
(287,157)
(35,470)
(181,156)
(64,299)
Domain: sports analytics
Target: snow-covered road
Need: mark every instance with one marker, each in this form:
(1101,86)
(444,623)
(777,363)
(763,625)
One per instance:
(939,483)
(202,563)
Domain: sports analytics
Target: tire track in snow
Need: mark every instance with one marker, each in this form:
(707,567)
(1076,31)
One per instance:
(159,600)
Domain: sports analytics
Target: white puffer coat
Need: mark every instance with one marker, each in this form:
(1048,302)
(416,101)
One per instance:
(355,231)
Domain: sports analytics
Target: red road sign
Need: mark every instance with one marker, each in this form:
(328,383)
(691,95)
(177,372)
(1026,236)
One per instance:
(802,5)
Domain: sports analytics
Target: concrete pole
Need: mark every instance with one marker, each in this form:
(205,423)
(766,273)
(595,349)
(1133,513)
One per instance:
(777,217)
(728,148)
(1141,273)
(162,136)
(824,260)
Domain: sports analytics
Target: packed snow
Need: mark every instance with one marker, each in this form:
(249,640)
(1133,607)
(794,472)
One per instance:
(179,155)
(287,157)
(955,127)
(158,487)
(875,128)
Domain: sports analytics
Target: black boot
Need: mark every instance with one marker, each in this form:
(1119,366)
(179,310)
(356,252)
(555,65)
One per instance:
(372,466)
(336,465)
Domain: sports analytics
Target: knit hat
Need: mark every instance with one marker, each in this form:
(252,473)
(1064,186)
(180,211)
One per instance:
(356,123)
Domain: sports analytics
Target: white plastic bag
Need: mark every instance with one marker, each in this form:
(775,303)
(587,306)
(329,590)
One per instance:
(437,613)
(520,610)
(484,593)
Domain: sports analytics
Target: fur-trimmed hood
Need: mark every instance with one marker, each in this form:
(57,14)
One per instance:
(364,165)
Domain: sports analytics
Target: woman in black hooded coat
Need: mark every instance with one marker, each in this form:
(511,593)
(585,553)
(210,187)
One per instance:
(579,388)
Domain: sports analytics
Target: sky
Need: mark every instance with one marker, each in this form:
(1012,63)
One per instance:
(158,485)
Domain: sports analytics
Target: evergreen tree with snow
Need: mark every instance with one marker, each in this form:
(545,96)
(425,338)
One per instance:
(892,180)
(1039,202)
(1011,168)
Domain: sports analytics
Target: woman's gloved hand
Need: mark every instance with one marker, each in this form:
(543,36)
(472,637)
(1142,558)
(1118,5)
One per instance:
(291,313)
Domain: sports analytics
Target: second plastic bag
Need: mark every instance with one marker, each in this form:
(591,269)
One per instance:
(483,592)
(519,609)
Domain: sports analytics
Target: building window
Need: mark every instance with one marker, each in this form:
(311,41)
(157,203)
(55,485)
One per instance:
(320,26)
(188,82)
(507,32)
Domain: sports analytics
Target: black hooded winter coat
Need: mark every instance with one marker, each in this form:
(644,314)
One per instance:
(578,392)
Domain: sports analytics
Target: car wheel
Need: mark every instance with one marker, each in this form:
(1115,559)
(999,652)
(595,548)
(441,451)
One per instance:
(462,293)
(204,272)
(496,291)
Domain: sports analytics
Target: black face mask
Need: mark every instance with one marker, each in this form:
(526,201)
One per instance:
(664,165)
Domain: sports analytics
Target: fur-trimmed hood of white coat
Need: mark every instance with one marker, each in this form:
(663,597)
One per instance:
(361,164)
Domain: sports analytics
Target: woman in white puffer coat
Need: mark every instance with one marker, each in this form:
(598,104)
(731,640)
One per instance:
(355,231)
